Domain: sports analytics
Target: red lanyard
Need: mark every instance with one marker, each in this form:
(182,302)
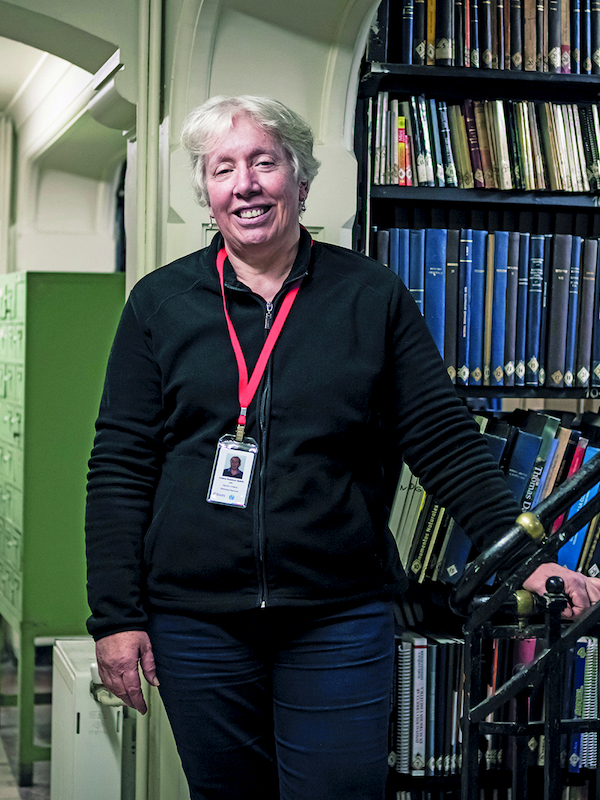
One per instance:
(247,388)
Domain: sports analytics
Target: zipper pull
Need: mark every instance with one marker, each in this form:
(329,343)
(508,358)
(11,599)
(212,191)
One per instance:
(268,315)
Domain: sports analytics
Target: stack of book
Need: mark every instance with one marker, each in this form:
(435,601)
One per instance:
(486,144)
(537,452)
(560,36)
(429,698)
(488,299)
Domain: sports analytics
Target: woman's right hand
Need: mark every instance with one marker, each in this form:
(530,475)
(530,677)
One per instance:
(118,656)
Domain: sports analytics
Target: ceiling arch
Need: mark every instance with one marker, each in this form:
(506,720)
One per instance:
(54,36)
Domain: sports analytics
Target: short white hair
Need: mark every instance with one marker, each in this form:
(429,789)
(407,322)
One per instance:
(208,122)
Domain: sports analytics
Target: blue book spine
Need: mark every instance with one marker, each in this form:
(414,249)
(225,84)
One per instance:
(477,309)
(499,308)
(568,555)
(572,317)
(435,284)
(512,292)
(575,37)
(523,283)
(416,270)
(534,310)
(407,31)
(586,37)
(558,308)
(548,250)
(474,28)
(577,693)
(521,463)
(457,555)
(394,252)
(403,255)
(465,271)
(595,376)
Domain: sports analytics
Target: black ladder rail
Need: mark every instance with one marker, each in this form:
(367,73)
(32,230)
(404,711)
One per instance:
(530,527)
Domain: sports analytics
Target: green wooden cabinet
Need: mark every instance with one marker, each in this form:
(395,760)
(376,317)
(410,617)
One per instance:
(55,335)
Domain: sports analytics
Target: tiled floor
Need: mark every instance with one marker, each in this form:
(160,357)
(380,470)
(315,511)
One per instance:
(8,738)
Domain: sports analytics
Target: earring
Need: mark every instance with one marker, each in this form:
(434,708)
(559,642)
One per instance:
(211,222)
(302,207)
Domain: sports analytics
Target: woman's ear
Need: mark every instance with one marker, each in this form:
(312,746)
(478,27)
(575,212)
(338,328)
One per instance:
(303,191)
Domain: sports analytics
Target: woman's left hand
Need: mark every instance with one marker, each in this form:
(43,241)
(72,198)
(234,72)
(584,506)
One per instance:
(581,590)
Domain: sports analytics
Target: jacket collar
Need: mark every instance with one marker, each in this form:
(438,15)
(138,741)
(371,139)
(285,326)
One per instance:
(301,267)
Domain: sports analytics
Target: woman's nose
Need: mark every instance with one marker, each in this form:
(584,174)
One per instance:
(246,182)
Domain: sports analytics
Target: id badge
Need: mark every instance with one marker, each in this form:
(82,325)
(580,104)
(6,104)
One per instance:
(232,473)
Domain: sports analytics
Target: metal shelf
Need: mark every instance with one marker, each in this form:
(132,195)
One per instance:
(471,196)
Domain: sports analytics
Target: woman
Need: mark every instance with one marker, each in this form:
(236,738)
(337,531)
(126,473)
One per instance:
(269,609)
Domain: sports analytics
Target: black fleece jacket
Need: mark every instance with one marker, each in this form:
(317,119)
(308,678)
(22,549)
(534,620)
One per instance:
(354,385)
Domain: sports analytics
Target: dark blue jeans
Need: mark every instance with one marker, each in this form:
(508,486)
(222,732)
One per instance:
(279,704)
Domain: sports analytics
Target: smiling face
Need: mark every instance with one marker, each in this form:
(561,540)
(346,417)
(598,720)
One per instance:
(254,196)
(235,463)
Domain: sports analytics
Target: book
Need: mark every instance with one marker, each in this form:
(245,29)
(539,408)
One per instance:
(451,305)
(403,691)
(450,174)
(586,37)
(587,283)
(568,554)
(554,36)
(575,36)
(426,138)
(435,284)
(418,145)
(382,241)
(465,271)
(548,434)
(418,702)
(512,287)
(459,33)
(589,746)
(576,462)
(460,147)
(595,376)
(476,308)
(522,462)
(544,322)
(444,42)
(572,312)
(516,25)
(534,309)
(558,309)
(430,17)
(399,253)
(595,36)
(485,34)
(484,145)
(473,144)
(576,707)
(436,143)
(565,36)
(407,31)
(529,35)
(419,33)
(474,33)
(416,267)
(432,652)
(521,322)
(498,320)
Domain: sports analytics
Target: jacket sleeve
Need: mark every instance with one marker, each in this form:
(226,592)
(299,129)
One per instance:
(123,473)
(435,433)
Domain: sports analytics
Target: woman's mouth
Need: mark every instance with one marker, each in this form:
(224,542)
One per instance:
(252,213)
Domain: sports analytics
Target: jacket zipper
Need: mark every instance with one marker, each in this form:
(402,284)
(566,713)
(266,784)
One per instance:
(263,432)
(262,427)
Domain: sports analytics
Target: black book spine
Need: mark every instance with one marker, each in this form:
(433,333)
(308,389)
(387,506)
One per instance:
(500,11)
(587,146)
(540,28)
(516,41)
(513,148)
(407,31)
(459,33)
(419,43)
(595,36)
(443,33)
(554,37)
(485,44)
(474,30)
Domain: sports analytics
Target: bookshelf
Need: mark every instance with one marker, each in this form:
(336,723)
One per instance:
(384,205)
